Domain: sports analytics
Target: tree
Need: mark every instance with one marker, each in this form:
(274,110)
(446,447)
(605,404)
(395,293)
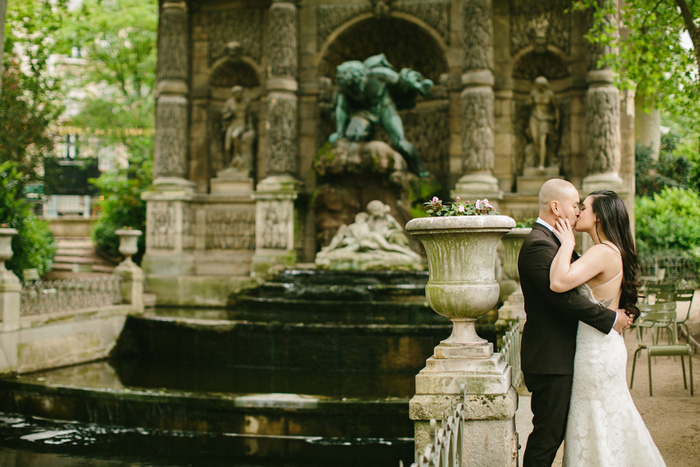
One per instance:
(650,55)
(118,40)
(647,50)
(30,101)
(33,246)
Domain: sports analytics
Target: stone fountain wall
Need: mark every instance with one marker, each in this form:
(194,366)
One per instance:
(209,231)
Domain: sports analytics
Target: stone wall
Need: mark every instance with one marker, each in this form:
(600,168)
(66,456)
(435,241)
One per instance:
(284,53)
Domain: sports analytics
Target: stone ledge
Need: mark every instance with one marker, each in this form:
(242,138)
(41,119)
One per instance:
(478,407)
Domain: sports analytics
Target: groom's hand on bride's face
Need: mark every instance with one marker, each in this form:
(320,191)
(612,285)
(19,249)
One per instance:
(622,322)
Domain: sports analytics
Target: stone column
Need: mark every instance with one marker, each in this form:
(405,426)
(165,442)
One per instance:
(602,125)
(168,210)
(478,105)
(647,126)
(276,236)
(172,128)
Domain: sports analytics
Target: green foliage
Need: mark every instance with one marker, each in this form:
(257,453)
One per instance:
(30,99)
(668,221)
(119,38)
(650,57)
(525,223)
(652,175)
(121,205)
(33,246)
(435,208)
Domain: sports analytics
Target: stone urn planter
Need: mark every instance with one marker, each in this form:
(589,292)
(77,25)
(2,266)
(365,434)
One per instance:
(462,284)
(6,245)
(512,242)
(514,307)
(128,242)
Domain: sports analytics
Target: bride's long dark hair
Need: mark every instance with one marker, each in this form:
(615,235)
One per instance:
(615,224)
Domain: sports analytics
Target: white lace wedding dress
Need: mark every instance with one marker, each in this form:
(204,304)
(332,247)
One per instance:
(604,428)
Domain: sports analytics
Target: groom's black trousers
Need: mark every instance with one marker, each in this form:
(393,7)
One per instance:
(551,395)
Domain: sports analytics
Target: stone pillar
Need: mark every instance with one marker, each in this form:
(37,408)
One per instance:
(10,287)
(602,125)
(172,128)
(461,252)
(276,233)
(647,126)
(478,105)
(168,210)
(10,290)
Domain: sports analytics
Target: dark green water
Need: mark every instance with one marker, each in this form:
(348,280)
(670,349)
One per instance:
(35,442)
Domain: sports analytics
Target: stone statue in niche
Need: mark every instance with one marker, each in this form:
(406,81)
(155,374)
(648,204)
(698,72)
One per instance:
(374,241)
(543,123)
(239,132)
(369,94)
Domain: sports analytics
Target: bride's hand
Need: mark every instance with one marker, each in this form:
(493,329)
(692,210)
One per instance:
(565,232)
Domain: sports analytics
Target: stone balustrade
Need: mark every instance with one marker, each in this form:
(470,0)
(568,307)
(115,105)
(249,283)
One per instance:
(42,328)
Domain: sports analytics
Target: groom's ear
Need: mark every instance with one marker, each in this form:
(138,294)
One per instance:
(554,207)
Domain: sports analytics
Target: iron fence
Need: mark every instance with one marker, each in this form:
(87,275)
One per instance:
(667,268)
(40,297)
(446,448)
(510,349)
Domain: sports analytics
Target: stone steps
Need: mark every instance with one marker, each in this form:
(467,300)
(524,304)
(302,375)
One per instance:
(76,257)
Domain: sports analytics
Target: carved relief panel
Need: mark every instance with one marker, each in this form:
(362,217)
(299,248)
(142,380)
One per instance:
(539,23)
(160,225)
(244,25)
(229,229)
(276,218)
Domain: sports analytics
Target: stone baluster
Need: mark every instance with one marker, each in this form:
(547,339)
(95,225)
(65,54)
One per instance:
(275,238)
(170,159)
(602,125)
(478,105)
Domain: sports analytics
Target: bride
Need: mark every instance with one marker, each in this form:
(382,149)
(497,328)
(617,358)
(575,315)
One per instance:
(604,427)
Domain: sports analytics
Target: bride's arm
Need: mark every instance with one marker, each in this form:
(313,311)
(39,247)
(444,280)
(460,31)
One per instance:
(565,275)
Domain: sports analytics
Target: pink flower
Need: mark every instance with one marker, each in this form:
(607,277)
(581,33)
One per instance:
(478,205)
(461,207)
(486,204)
(436,199)
(458,199)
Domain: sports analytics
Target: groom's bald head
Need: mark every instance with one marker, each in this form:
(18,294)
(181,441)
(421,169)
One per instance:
(554,190)
(557,198)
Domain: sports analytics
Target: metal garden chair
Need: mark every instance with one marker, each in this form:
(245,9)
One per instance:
(659,316)
(685,295)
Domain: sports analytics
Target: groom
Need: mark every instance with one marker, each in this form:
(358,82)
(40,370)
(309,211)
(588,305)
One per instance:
(549,335)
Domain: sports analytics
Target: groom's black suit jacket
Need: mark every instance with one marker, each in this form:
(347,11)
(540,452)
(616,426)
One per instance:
(549,335)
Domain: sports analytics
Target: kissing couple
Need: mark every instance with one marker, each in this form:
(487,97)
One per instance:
(573,353)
